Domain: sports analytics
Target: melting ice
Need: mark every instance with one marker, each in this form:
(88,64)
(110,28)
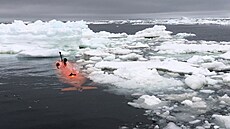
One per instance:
(180,83)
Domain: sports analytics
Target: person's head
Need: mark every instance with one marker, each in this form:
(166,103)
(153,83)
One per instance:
(58,65)
(65,60)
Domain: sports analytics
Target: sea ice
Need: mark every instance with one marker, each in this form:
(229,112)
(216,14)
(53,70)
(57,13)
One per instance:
(131,56)
(226,78)
(226,55)
(195,104)
(225,98)
(146,102)
(172,125)
(158,31)
(195,81)
(40,35)
(183,35)
(196,59)
(173,48)
(222,121)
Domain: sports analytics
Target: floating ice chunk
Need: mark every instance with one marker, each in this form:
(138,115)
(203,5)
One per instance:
(109,58)
(226,78)
(225,98)
(172,125)
(195,122)
(119,51)
(214,65)
(222,121)
(196,99)
(187,102)
(226,55)
(211,81)
(200,59)
(207,91)
(99,53)
(195,104)
(195,81)
(131,56)
(158,31)
(138,45)
(146,102)
(183,35)
(95,59)
(160,58)
(180,97)
(97,42)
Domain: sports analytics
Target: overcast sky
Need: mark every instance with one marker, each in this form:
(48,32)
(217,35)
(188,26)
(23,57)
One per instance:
(111,9)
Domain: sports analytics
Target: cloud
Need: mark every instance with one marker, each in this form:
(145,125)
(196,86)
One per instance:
(106,8)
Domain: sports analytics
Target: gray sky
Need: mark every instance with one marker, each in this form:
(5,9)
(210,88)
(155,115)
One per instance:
(111,9)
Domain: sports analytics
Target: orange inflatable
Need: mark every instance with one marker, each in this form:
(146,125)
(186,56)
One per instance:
(70,75)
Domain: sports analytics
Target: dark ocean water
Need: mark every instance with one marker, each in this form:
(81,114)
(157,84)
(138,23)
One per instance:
(30,96)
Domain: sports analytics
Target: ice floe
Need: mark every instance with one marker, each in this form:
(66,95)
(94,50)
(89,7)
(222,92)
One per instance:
(195,81)
(172,125)
(146,102)
(19,37)
(223,121)
(195,103)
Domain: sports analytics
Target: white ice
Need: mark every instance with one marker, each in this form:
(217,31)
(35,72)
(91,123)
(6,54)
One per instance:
(172,125)
(222,121)
(170,21)
(22,38)
(195,81)
(146,102)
